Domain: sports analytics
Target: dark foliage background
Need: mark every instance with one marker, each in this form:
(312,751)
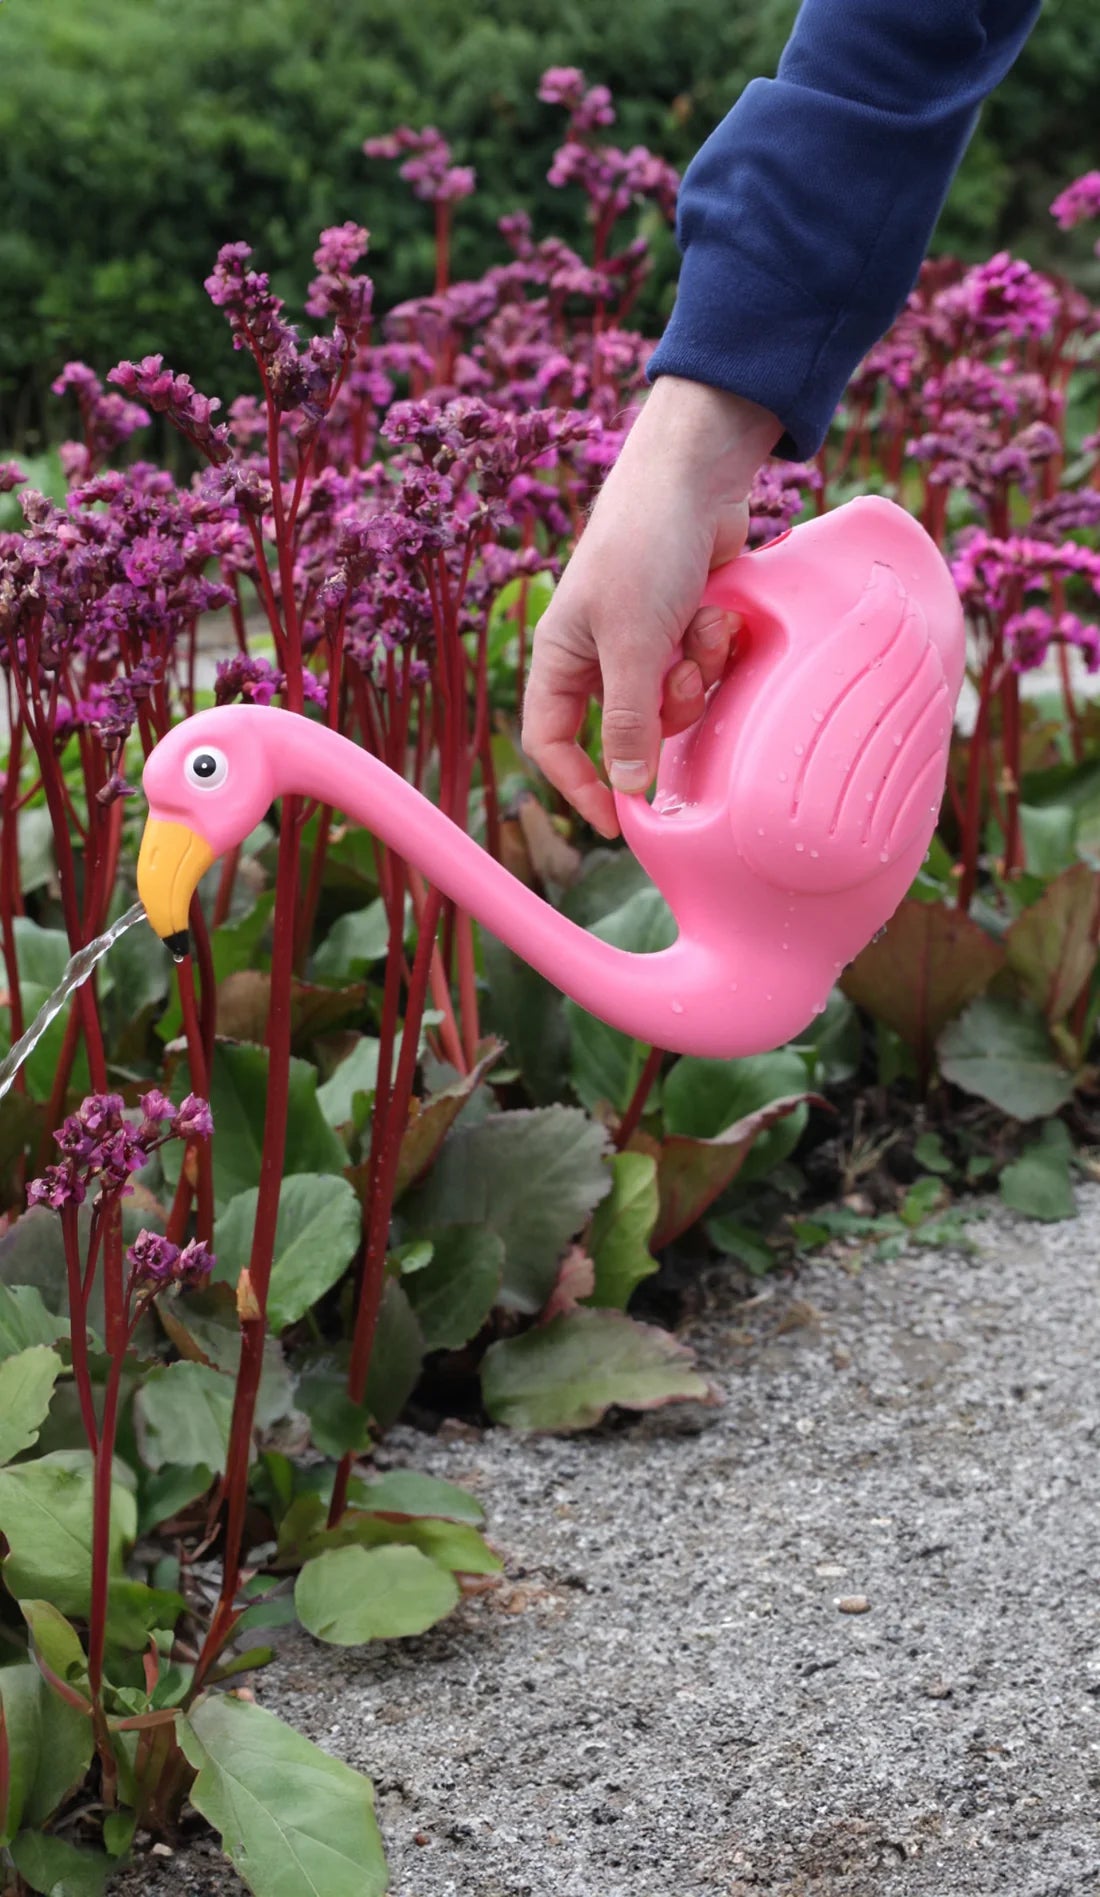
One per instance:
(138,135)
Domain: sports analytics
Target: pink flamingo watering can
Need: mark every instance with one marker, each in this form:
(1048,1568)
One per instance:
(786,827)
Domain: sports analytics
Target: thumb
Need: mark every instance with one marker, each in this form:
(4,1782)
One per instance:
(631,726)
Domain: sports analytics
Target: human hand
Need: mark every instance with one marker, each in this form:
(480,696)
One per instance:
(624,625)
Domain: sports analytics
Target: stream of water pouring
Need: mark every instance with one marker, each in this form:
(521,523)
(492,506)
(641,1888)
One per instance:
(80,967)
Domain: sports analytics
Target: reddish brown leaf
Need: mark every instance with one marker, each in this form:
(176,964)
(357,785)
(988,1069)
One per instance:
(1052,947)
(922,972)
(431,1120)
(692,1172)
(575,1281)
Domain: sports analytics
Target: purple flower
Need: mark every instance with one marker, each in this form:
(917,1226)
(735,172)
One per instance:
(193,1119)
(157,1107)
(152,1260)
(429,170)
(175,396)
(11,476)
(196,1262)
(101,1113)
(1078,201)
(58,1186)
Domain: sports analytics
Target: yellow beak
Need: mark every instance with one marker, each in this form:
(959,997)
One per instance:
(172,861)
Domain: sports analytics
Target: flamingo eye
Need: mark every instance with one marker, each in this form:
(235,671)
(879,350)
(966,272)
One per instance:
(206,769)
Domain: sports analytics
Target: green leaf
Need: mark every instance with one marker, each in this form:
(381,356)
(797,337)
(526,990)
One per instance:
(238,1093)
(528,1013)
(24,1319)
(46,1515)
(453,1295)
(1003,1053)
(356,1076)
(42,954)
(32,1255)
(606,1064)
(56,1642)
(135,1611)
(835,1039)
(454,1546)
(622,1226)
(1038,1183)
(26,1387)
(929,1153)
(704,1098)
(59,1869)
(182,1414)
(408,1492)
(1049,833)
(396,1358)
(337,1426)
(21,1689)
(318,1232)
(347,1596)
(204,1326)
(531,1177)
(922,971)
(293,1821)
(353,944)
(566,1374)
(1052,946)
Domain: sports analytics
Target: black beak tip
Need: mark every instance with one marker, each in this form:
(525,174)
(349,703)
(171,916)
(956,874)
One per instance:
(178,945)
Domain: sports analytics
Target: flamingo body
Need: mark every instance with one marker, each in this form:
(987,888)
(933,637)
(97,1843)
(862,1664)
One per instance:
(786,827)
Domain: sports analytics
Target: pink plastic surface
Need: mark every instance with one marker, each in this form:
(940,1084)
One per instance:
(787,824)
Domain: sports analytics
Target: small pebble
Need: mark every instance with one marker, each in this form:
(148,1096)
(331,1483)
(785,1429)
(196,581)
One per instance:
(852,1604)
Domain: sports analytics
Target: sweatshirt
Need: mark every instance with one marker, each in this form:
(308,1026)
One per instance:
(804,219)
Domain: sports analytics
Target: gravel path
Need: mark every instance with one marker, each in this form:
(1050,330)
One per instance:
(673,1693)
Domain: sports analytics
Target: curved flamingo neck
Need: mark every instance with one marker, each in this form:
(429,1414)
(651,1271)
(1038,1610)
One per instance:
(665,998)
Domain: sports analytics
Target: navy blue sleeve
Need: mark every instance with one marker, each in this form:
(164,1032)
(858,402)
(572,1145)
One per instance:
(804,219)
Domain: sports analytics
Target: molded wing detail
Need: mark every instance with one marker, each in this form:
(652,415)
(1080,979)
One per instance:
(845,767)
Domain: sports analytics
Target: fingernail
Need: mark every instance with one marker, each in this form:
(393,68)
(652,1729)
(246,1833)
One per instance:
(629,773)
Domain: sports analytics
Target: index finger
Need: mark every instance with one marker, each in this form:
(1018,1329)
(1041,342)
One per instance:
(554,707)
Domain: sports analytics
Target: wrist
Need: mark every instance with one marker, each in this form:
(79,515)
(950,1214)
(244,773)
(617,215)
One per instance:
(713,431)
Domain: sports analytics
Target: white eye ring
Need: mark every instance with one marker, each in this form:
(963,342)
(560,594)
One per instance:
(206,768)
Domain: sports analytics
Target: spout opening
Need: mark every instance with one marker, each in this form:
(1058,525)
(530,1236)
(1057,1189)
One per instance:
(178,945)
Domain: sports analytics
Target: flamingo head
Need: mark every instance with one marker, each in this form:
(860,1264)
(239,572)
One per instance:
(208,784)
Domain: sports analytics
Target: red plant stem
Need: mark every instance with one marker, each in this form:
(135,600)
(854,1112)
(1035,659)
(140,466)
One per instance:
(101,1520)
(208,995)
(467,986)
(9,893)
(307,914)
(971,839)
(381,1204)
(1010,705)
(442,245)
(254,1306)
(78,1320)
(628,1125)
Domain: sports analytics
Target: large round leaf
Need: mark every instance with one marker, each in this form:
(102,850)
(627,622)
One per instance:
(318,1230)
(350,1595)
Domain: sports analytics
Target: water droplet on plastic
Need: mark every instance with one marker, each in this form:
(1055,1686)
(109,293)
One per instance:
(733,987)
(815,852)
(870,797)
(782,777)
(767,997)
(720,724)
(799,847)
(885,857)
(759,831)
(897,737)
(820,1009)
(785,947)
(818,716)
(677,1007)
(799,749)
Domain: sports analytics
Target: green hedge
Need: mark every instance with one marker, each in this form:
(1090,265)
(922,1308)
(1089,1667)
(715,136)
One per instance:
(138,135)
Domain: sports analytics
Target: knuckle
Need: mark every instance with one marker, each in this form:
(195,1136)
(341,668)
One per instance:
(625,725)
